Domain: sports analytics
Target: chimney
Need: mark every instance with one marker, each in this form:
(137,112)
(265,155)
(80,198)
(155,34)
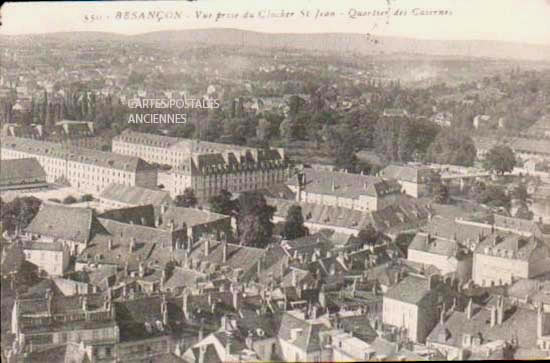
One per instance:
(201,333)
(185,306)
(164,310)
(206,247)
(209,299)
(493,311)
(294,278)
(132,244)
(110,244)
(432,281)
(85,303)
(259,266)
(224,251)
(236,299)
(442,315)
(141,269)
(541,323)
(333,186)
(202,351)
(500,310)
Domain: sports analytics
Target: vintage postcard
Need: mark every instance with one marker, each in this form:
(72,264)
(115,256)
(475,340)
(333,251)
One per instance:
(275,181)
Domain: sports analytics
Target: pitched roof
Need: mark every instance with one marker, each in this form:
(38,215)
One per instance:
(518,323)
(411,289)
(308,339)
(121,234)
(75,154)
(189,217)
(345,184)
(52,221)
(135,195)
(406,213)
(14,171)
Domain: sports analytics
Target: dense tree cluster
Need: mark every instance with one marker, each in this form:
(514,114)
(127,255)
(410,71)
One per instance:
(18,213)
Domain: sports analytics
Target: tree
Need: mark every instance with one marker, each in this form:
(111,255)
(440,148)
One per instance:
(87,198)
(254,219)
(69,199)
(18,213)
(520,193)
(500,159)
(494,196)
(440,193)
(368,235)
(222,203)
(187,199)
(452,147)
(294,223)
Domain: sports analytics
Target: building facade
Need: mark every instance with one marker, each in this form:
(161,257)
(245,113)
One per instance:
(205,167)
(87,170)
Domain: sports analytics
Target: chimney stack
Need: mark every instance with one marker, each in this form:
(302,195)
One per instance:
(500,310)
(110,244)
(132,244)
(236,299)
(164,309)
(493,316)
(185,306)
(206,247)
(224,251)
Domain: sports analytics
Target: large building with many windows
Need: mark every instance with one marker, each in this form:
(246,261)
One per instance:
(87,170)
(205,167)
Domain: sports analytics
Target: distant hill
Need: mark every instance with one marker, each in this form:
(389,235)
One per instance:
(337,42)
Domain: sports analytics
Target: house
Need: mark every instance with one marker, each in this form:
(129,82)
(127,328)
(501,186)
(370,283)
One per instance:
(479,330)
(416,181)
(52,258)
(303,341)
(340,189)
(503,258)
(36,320)
(414,305)
(447,255)
(50,225)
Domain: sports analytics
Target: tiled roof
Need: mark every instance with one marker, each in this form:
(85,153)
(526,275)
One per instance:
(52,221)
(308,339)
(346,184)
(238,257)
(16,170)
(411,289)
(79,155)
(436,245)
(518,323)
(407,212)
(135,195)
(538,146)
(189,217)
(512,246)
(121,234)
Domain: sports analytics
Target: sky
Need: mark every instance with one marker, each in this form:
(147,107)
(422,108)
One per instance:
(525,21)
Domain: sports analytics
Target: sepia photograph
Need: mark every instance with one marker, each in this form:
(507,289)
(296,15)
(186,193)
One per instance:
(274,181)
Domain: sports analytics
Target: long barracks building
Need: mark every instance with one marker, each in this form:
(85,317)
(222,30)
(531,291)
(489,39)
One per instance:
(206,167)
(87,170)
